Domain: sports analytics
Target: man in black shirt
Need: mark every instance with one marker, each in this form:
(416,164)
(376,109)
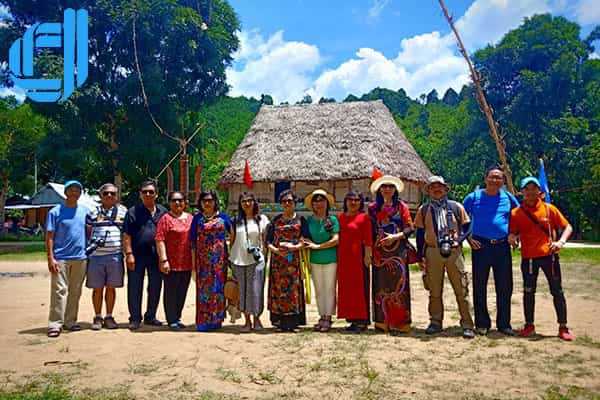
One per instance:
(140,252)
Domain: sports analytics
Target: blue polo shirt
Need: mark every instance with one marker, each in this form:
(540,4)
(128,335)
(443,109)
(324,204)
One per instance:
(68,225)
(490,214)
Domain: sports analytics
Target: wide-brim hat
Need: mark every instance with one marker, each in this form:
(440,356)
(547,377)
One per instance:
(436,179)
(73,182)
(308,199)
(387,180)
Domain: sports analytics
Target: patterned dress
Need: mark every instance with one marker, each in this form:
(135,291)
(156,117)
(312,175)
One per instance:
(391,285)
(208,238)
(286,289)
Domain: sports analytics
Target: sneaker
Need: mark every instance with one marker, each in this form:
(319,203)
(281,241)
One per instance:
(181,325)
(527,331)
(134,325)
(565,334)
(97,323)
(110,323)
(432,329)
(468,333)
(507,332)
(174,326)
(153,322)
(74,328)
(482,331)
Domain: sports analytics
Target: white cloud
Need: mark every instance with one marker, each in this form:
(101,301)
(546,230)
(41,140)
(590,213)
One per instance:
(14,91)
(424,62)
(376,9)
(595,56)
(282,69)
(588,12)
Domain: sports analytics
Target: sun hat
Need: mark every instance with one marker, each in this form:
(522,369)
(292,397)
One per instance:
(436,179)
(73,182)
(309,197)
(530,179)
(387,180)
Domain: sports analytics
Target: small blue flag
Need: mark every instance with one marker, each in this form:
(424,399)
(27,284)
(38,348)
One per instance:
(544,182)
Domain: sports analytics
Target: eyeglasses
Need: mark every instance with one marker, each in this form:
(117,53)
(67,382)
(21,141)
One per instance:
(247,201)
(387,186)
(287,201)
(148,192)
(177,200)
(209,200)
(318,199)
(104,194)
(353,199)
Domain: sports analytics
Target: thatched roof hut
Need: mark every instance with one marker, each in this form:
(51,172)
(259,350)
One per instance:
(331,145)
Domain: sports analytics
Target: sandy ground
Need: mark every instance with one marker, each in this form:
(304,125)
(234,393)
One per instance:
(153,363)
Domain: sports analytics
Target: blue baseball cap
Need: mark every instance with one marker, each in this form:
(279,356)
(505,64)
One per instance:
(73,182)
(530,179)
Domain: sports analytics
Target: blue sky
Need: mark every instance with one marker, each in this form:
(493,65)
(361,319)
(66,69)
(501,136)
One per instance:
(332,48)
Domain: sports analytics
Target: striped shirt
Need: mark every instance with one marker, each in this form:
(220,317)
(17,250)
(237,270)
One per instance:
(102,227)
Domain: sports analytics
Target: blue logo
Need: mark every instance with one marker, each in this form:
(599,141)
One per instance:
(72,36)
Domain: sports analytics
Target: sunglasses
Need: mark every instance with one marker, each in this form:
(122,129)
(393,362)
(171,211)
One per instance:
(209,200)
(353,199)
(387,186)
(247,201)
(287,201)
(177,200)
(105,194)
(148,192)
(318,199)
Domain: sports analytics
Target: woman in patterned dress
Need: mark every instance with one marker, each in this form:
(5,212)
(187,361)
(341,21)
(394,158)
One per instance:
(286,288)
(208,233)
(392,224)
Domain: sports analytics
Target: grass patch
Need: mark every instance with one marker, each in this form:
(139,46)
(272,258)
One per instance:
(589,256)
(587,341)
(228,375)
(24,252)
(570,393)
(11,237)
(137,368)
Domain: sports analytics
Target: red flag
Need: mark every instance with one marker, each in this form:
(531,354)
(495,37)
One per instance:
(247,176)
(376,174)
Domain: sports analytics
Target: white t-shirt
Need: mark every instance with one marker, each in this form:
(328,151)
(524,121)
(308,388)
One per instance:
(239,254)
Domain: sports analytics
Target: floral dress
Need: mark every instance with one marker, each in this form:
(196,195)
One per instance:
(208,240)
(391,285)
(286,289)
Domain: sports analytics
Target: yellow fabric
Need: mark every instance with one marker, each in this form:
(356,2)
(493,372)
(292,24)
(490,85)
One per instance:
(305,271)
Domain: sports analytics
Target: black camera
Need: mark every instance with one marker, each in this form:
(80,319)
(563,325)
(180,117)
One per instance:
(94,243)
(255,251)
(445,245)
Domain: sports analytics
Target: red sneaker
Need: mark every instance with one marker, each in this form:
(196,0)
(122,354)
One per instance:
(565,334)
(528,330)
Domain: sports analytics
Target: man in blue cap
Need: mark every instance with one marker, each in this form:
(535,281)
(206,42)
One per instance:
(535,225)
(65,248)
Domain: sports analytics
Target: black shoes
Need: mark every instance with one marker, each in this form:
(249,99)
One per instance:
(432,329)
(468,333)
(482,331)
(507,332)
(153,322)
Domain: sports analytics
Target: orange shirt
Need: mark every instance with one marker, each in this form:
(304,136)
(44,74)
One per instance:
(534,242)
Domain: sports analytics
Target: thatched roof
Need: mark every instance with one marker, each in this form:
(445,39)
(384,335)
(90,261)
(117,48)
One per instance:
(328,141)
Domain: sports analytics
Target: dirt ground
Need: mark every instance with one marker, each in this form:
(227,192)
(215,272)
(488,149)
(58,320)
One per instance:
(154,363)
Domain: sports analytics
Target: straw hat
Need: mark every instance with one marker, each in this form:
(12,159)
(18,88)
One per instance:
(308,199)
(387,180)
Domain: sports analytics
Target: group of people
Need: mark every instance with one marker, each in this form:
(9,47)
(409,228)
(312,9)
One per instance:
(357,260)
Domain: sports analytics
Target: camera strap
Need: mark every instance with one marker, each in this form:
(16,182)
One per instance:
(248,244)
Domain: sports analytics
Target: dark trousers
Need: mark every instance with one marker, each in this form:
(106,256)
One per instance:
(498,258)
(530,269)
(135,288)
(176,287)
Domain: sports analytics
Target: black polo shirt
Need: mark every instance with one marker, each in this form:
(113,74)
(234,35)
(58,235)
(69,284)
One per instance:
(141,226)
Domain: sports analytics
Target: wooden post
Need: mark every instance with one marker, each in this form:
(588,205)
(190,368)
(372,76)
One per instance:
(485,107)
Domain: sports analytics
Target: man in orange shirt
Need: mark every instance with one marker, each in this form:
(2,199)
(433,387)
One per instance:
(535,225)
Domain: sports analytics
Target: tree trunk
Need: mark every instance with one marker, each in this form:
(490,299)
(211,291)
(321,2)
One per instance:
(3,197)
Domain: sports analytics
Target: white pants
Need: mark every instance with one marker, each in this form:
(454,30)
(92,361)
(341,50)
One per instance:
(324,278)
(65,291)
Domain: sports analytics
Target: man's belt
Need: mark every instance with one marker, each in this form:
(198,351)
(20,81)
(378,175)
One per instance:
(492,242)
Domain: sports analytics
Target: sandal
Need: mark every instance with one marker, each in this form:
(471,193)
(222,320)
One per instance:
(53,332)
(318,326)
(246,329)
(326,325)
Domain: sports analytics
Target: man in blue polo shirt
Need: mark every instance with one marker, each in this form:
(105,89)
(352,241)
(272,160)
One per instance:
(490,210)
(65,247)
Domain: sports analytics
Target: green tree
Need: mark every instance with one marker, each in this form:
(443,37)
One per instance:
(21,130)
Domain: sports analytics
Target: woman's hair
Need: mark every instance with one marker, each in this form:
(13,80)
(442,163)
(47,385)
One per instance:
(352,193)
(241,215)
(286,193)
(207,193)
(170,195)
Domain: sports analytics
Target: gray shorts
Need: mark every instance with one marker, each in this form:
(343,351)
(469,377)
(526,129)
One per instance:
(104,271)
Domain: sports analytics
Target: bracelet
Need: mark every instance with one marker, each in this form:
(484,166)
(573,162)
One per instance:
(129,253)
(163,261)
(562,242)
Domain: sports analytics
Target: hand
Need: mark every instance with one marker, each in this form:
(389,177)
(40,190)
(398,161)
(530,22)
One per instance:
(389,238)
(513,240)
(165,267)
(130,261)
(367,260)
(53,265)
(311,245)
(555,247)
(475,245)
(423,265)
(278,250)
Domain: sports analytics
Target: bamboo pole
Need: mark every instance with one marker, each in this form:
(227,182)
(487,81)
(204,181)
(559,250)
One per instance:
(485,107)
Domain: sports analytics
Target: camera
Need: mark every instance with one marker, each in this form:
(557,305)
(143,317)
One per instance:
(94,244)
(445,244)
(255,251)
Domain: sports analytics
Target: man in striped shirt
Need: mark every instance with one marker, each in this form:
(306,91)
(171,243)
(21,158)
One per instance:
(105,263)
